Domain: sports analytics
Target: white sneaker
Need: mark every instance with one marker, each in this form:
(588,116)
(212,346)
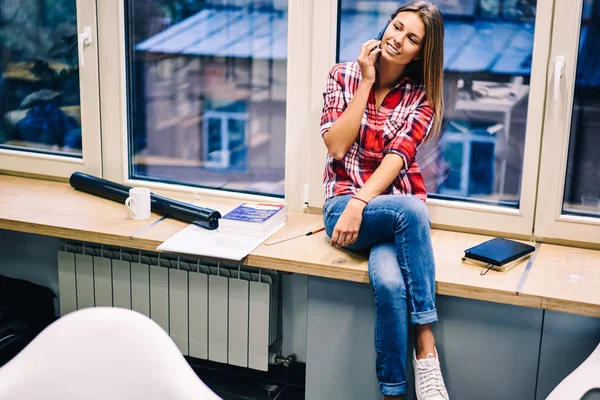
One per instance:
(429,383)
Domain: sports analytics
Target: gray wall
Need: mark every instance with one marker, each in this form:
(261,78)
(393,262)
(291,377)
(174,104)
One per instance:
(340,357)
(29,257)
(567,341)
(295,300)
(488,351)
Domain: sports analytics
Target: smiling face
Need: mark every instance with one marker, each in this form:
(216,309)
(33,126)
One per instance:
(403,39)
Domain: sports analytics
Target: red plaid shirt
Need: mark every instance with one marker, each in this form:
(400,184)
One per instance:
(402,122)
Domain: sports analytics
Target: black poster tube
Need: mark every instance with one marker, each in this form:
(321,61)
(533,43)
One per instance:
(204,217)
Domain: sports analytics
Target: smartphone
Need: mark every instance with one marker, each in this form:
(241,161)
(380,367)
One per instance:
(380,35)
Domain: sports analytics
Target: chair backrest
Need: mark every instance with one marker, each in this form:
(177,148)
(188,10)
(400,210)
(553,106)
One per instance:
(101,353)
(585,378)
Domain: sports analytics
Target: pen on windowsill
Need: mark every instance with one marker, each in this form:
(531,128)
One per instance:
(297,236)
(315,231)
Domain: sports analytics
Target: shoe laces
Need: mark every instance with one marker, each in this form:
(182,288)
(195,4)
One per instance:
(431,381)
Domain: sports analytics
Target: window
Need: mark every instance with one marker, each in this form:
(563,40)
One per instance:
(44,86)
(488,51)
(469,153)
(207,93)
(569,184)
(582,181)
(482,173)
(225,142)
(40,77)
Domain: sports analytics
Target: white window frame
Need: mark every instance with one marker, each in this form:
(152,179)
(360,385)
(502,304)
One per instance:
(113,88)
(324,48)
(444,213)
(551,224)
(17,161)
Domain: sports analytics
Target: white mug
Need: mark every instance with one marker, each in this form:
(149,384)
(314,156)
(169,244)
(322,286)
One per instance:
(138,203)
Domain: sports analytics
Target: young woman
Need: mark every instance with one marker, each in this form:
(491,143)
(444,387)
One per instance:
(377,112)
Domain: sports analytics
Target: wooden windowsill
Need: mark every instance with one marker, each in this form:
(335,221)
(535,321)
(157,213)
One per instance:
(56,209)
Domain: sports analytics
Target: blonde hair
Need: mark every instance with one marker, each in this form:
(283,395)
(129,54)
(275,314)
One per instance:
(430,67)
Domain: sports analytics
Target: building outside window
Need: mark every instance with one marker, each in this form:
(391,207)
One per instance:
(207,93)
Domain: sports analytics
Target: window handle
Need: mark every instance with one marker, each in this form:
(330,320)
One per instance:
(559,69)
(84,39)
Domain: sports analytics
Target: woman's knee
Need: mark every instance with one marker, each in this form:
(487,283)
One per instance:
(389,288)
(406,210)
(414,213)
(386,275)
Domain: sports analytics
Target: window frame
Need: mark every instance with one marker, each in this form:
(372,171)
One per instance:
(551,224)
(113,87)
(452,214)
(35,163)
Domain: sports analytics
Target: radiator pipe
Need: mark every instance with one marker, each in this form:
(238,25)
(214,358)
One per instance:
(279,359)
(204,217)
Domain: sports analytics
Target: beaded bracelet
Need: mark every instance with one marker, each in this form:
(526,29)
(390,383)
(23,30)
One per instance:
(359,199)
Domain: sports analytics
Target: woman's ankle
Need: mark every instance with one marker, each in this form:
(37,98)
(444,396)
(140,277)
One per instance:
(424,341)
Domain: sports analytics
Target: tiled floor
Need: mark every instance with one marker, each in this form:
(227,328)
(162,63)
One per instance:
(233,383)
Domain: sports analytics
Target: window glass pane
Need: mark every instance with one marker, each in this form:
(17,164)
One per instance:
(488,48)
(39,77)
(207,93)
(582,183)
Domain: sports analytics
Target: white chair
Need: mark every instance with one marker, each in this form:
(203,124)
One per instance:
(99,354)
(585,378)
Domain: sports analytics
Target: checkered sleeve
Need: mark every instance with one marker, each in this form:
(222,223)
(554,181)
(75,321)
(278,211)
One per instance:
(411,132)
(334,101)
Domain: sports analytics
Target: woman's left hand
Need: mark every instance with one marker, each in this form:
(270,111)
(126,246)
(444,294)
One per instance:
(348,225)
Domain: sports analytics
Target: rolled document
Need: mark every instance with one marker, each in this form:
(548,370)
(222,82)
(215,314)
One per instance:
(204,217)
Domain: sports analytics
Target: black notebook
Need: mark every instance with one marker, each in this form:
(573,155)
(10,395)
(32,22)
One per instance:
(498,251)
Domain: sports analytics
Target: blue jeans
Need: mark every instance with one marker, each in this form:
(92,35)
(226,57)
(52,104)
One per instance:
(402,271)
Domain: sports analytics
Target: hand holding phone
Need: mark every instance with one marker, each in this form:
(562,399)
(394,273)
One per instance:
(367,59)
(368,56)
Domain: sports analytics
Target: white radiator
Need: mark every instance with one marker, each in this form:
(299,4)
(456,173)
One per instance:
(215,313)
